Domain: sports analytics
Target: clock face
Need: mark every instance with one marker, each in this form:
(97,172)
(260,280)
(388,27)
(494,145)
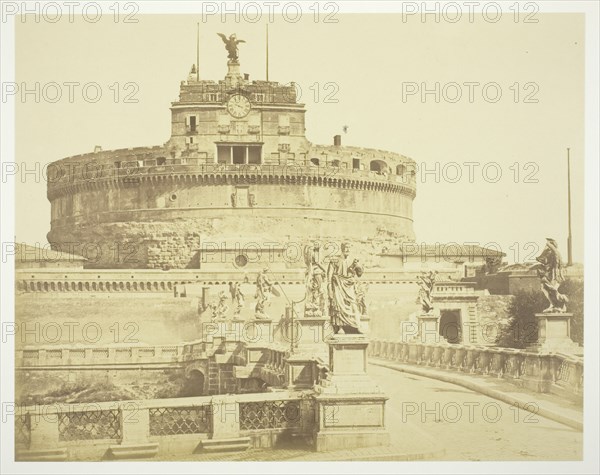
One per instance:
(238,106)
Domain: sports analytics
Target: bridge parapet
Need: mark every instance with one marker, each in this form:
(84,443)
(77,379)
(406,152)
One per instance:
(543,372)
(149,427)
(264,360)
(113,355)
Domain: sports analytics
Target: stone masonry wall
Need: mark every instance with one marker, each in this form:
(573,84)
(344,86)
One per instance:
(492,311)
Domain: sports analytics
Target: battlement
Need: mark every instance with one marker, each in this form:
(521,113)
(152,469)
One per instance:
(124,165)
(218,92)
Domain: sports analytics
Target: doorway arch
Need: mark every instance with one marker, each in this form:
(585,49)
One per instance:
(193,384)
(450,326)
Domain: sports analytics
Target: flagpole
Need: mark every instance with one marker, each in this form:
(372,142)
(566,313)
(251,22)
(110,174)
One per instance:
(197,51)
(570,237)
(267,64)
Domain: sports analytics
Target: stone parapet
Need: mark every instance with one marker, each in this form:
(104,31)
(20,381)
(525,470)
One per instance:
(554,372)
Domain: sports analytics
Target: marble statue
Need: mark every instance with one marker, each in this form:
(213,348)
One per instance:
(426,284)
(315,272)
(237,296)
(344,306)
(549,268)
(264,291)
(219,310)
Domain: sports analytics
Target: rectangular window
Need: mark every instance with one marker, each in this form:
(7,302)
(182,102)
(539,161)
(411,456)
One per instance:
(254,155)
(224,154)
(192,123)
(356,163)
(239,155)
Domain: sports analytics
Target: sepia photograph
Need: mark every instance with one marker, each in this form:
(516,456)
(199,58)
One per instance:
(338,237)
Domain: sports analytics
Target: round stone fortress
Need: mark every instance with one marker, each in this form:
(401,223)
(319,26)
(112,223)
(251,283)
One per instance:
(237,164)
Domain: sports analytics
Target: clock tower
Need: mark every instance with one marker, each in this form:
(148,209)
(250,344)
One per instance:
(236,121)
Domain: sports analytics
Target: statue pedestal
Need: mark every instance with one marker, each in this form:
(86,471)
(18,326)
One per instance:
(300,371)
(428,328)
(554,332)
(259,331)
(233,77)
(308,335)
(349,405)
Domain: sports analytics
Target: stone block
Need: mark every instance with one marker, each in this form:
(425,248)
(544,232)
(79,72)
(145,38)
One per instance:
(349,422)
(554,333)
(301,372)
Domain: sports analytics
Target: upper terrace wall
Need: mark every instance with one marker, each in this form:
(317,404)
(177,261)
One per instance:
(352,163)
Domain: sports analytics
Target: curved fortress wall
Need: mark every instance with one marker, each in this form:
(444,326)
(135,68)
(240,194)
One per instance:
(232,167)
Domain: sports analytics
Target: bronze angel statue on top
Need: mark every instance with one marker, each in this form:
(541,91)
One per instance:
(231,45)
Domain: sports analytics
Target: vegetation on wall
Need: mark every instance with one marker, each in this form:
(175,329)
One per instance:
(521,330)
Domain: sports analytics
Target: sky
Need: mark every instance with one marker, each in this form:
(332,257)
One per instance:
(375,66)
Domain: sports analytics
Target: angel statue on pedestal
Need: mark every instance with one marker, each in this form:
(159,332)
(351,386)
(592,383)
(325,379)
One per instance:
(549,268)
(426,284)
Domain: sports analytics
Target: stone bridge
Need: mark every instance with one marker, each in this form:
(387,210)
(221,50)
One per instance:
(318,391)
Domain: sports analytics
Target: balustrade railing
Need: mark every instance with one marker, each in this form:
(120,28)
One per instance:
(262,415)
(89,425)
(269,359)
(299,168)
(540,371)
(180,420)
(151,421)
(94,356)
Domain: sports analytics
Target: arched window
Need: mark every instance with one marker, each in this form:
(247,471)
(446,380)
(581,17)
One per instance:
(379,167)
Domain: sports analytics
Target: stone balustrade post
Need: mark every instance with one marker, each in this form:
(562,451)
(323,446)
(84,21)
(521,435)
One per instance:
(225,414)
(135,424)
(44,439)
(135,434)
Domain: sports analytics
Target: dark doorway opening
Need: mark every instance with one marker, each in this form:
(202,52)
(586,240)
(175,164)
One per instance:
(451,326)
(194,384)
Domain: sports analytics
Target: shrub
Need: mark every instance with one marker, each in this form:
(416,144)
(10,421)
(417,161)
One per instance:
(522,327)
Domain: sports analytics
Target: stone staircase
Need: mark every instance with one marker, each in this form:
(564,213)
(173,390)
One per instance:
(213,377)
(47,455)
(237,444)
(132,451)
